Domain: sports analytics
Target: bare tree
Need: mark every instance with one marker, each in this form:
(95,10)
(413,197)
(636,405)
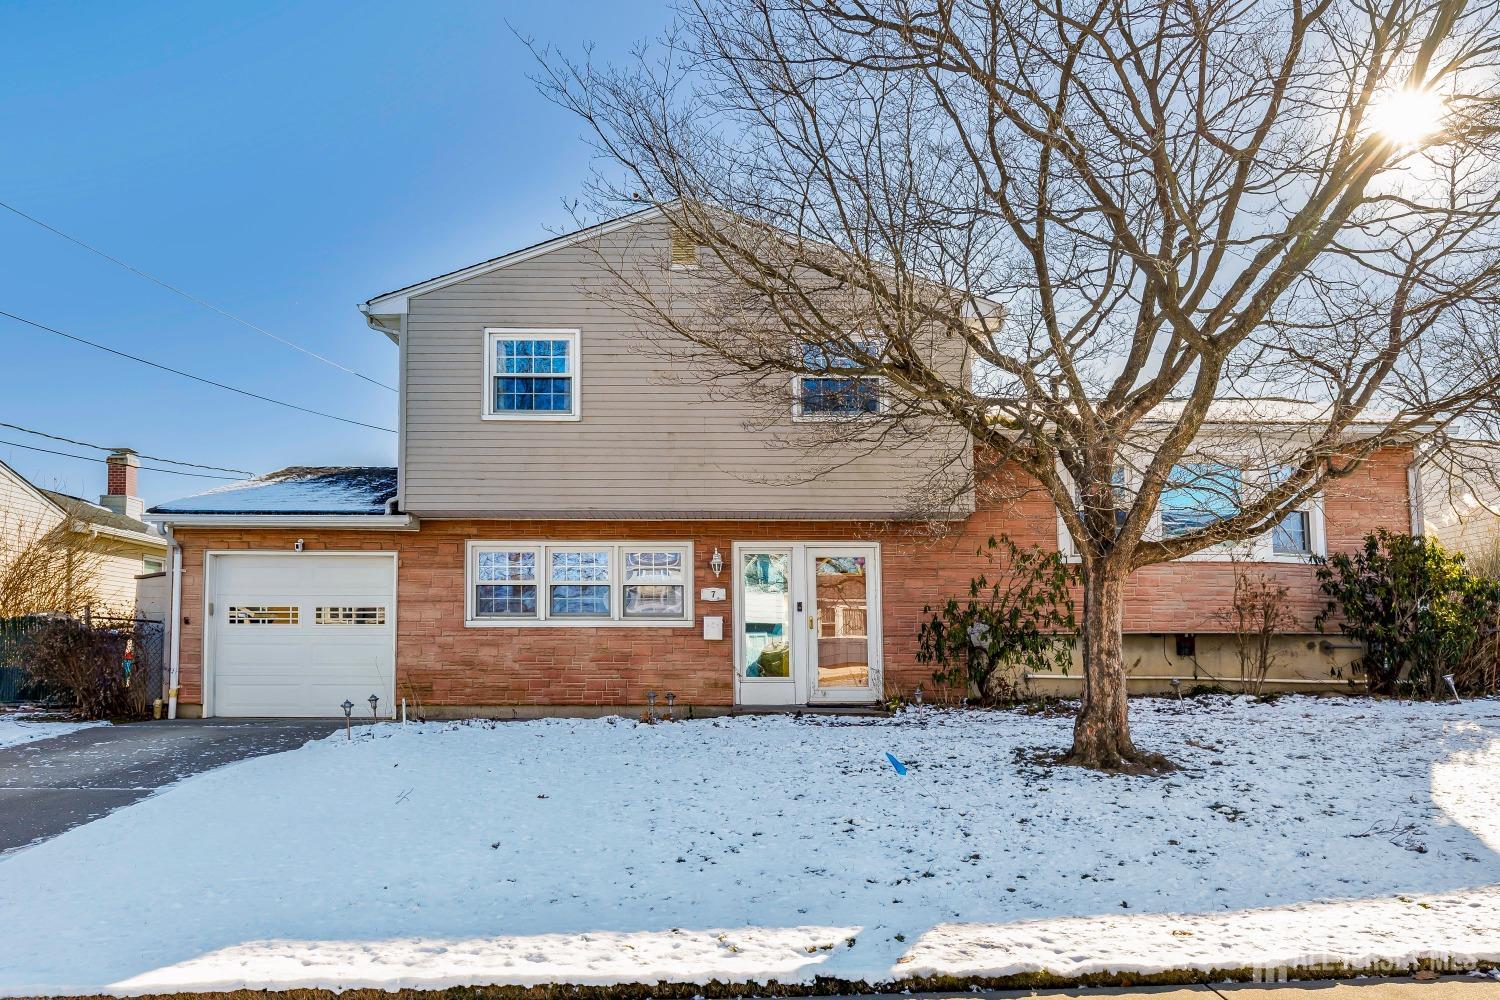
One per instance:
(1128,219)
(46,569)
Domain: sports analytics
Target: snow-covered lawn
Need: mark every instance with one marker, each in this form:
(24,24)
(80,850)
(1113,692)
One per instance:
(754,849)
(24,727)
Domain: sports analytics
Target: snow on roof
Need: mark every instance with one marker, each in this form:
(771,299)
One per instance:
(299,489)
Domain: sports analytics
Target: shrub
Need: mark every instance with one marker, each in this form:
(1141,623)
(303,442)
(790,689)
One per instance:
(1416,608)
(86,665)
(1018,618)
(1257,616)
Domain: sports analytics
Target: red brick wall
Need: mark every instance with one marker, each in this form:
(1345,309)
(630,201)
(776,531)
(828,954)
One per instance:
(442,662)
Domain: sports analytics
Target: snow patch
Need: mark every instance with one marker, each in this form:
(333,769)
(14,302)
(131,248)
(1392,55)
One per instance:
(25,727)
(599,851)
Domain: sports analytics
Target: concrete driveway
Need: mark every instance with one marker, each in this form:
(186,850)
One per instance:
(53,785)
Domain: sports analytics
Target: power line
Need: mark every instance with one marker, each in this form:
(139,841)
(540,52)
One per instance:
(153,458)
(91,458)
(195,378)
(191,297)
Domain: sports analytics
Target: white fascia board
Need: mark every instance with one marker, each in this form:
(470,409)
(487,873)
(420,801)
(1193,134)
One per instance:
(139,537)
(372,522)
(396,303)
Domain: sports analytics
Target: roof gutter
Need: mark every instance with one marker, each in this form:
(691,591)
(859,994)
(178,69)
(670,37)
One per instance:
(138,537)
(370,522)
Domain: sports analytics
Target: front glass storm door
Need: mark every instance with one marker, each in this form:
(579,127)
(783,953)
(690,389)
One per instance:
(843,623)
(767,664)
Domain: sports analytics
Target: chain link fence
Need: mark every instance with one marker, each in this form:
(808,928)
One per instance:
(141,665)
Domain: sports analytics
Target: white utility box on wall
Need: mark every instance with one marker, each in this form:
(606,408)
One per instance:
(713,627)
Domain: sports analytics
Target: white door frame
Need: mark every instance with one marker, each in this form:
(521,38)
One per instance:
(873,639)
(210,639)
(802,595)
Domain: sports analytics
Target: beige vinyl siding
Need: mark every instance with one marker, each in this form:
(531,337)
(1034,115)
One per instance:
(645,445)
(120,562)
(24,513)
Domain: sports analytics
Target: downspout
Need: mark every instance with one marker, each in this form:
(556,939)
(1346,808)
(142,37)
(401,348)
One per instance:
(176,579)
(1414,496)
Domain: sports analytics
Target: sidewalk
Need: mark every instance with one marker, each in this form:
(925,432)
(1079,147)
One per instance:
(1450,988)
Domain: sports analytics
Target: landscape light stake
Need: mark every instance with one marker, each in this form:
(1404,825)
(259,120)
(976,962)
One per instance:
(651,706)
(1176,683)
(671,697)
(348,707)
(374,702)
(1452,688)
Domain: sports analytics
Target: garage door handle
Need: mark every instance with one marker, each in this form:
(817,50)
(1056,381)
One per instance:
(210,609)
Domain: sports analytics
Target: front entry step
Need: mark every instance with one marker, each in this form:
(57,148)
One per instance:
(870,711)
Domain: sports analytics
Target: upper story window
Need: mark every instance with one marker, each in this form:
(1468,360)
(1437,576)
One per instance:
(1197,495)
(827,391)
(531,374)
(1296,533)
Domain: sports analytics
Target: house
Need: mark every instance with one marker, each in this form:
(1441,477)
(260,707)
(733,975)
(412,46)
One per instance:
(120,560)
(1461,501)
(570,529)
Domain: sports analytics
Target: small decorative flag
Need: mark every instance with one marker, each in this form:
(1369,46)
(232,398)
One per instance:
(900,767)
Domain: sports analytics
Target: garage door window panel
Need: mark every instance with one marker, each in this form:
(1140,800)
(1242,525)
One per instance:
(263,614)
(349,615)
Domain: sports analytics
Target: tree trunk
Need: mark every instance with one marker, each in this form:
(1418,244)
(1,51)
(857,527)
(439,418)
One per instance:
(1101,733)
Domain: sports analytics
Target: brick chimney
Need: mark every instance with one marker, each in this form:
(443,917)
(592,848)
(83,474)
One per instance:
(123,496)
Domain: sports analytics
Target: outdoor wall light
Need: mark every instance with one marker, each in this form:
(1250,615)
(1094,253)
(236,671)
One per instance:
(716,562)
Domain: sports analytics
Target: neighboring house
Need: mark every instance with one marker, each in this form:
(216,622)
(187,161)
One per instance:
(568,530)
(126,557)
(1461,501)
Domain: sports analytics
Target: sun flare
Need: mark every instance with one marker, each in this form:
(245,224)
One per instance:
(1407,116)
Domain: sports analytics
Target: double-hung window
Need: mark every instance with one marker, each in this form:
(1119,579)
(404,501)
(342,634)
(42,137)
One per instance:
(531,374)
(1296,534)
(505,582)
(655,583)
(1197,495)
(580,583)
(830,391)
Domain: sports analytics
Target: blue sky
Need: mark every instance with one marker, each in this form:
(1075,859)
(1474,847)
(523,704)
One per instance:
(284,161)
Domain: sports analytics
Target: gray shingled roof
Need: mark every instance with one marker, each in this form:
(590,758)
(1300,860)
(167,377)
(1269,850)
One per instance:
(300,489)
(91,513)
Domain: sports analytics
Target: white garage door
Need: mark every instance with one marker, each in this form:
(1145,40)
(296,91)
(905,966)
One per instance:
(296,634)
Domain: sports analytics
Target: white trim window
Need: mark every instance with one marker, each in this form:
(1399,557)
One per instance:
(504,582)
(827,392)
(579,583)
(655,583)
(531,374)
(1197,494)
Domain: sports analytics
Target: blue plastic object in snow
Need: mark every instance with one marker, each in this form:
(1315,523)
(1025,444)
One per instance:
(900,767)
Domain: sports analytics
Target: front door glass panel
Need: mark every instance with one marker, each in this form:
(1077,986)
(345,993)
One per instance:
(767,581)
(842,624)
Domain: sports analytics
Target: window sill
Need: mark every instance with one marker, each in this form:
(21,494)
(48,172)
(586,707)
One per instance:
(834,418)
(579,623)
(1225,558)
(549,418)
